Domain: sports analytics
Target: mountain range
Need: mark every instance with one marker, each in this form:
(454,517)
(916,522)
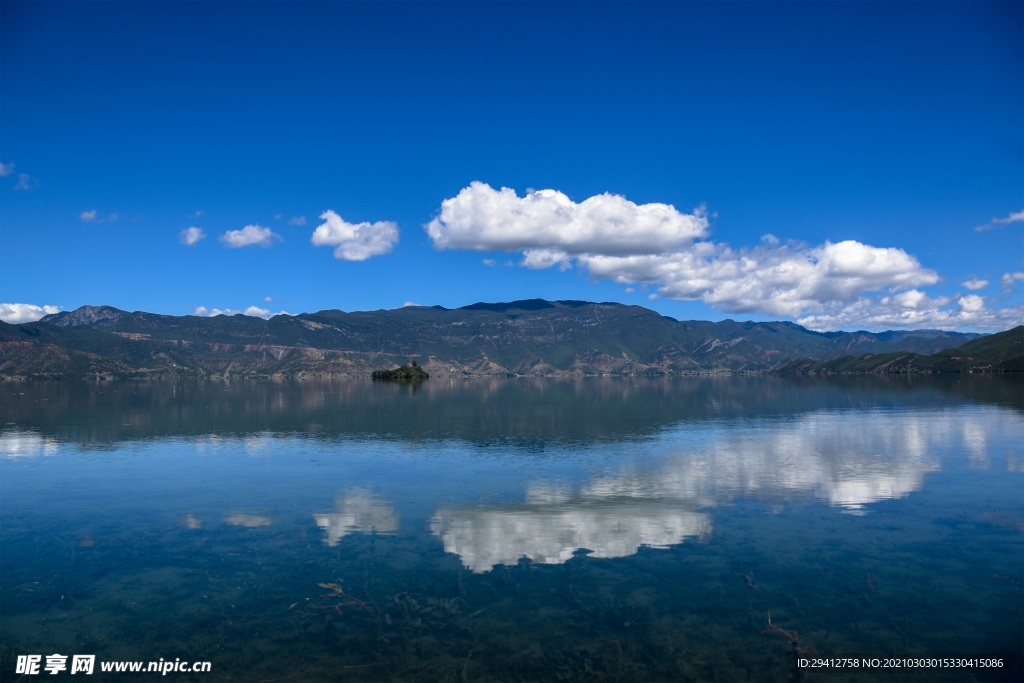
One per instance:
(529,337)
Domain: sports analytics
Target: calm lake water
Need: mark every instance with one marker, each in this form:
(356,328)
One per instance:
(618,529)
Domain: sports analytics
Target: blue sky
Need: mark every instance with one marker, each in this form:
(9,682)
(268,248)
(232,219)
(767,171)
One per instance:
(844,165)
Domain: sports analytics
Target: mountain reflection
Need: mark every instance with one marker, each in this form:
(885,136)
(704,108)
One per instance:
(610,464)
(481,411)
(357,511)
(848,460)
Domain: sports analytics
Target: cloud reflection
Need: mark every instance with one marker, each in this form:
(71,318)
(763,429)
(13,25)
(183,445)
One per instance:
(21,444)
(551,533)
(250,521)
(357,511)
(847,460)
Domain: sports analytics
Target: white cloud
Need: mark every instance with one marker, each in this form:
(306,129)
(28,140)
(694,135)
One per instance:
(996,223)
(484,219)
(297,221)
(250,235)
(537,259)
(975,284)
(92,216)
(971,303)
(1009,278)
(191,235)
(826,286)
(267,299)
(943,313)
(911,300)
(1015,217)
(26,182)
(354,241)
(789,280)
(258,312)
(253,311)
(204,312)
(25,313)
(615,239)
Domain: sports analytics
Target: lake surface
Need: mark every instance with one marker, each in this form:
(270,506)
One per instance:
(605,529)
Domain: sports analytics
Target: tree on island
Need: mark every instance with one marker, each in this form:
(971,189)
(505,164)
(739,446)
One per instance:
(412,371)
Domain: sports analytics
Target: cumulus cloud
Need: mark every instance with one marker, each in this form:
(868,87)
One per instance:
(297,221)
(538,259)
(975,284)
(615,239)
(264,313)
(996,223)
(204,312)
(972,303)
(945,313)
(249,236)
(354,241)
(253,311)
(790,280)
(6,169)
(825,286)
(88,216)
(484,219)
(16,314)
(191,235)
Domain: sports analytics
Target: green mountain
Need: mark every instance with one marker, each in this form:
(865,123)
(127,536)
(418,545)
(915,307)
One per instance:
(1002,352)
(530,337)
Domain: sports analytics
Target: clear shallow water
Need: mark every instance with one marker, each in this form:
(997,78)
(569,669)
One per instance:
(515,530)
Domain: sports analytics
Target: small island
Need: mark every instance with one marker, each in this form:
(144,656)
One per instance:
(412,371)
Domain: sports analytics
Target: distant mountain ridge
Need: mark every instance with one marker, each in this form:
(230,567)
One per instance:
(1001,352)
(527,337)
